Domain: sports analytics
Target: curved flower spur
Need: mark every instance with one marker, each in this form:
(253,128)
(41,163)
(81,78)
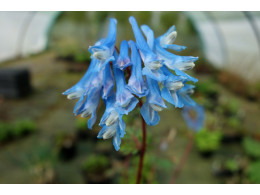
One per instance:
(161,78)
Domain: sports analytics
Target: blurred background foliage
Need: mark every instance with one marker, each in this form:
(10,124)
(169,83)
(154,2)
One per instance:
(42,142)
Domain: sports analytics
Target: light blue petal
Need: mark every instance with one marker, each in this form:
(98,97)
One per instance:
(122,126)
(92,119)
(174,47)
(149,35)
(188,77)
(101,132)
(126,109)
(109,102)
(84,82)
(167,37)
(111,37)
(150,116)
(90,105)
(157,75)
(136,83)
(154,96)
(79,104)
(124,98)
(171,60)
(171,97)
(194,123)
(104,49)
(117,140)
(123,60)
(140,41)
(184,95)
(187,100)
(108,82)
(149,58)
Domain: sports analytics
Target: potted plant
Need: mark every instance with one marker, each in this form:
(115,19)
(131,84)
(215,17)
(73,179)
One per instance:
(95,169)
(5,132)
(83,133)
(251,147)
(207,142)
(66,145)
(23,127)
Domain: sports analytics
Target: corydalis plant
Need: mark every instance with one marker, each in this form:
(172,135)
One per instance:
(154,73)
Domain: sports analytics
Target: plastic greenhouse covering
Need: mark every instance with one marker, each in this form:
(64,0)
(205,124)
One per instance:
(24,33)
(230,40)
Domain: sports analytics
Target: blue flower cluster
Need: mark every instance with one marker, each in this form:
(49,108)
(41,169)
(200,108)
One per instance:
(162,77)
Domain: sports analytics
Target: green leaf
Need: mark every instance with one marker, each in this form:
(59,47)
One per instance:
(253,172)
(252,147)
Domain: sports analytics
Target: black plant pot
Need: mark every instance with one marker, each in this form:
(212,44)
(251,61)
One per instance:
(206,154)
(68,149)
(86,134)
(232,138)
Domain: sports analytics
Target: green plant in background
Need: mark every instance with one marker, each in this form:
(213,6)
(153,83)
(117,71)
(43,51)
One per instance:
(129,119)
(133,138)
(253,172)
(234,122)
(19,128)
(81,56)
(208,88)
(229,107)
(81,124)
(208,141)
(5,131)
(251,147)
(133,141)
(149,170)
(95,164)
(22,127)
(232,165)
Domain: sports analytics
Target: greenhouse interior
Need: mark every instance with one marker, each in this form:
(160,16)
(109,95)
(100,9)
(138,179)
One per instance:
(42,54)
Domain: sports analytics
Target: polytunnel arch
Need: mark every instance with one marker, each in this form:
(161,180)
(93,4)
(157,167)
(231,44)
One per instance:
(24,33)
(230,40)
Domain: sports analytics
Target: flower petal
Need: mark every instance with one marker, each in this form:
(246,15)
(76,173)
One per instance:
(195,123)
(123,60)
(150,116)
(174,47)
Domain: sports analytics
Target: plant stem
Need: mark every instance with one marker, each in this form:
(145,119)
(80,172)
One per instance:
(143,146)
(142,150)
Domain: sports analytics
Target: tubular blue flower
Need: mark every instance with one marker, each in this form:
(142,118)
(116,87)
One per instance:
(154,103)
(77,90)
(103,49)
(123,60)
(166,40)
(89,107)
(168,37)
(89,100)
(81,89)
(172,85)
(179,97)
(112,131)
(149,58)
(136,84)
(125,101)
(154,74)
(194,116)
(112,123)
(173,61)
